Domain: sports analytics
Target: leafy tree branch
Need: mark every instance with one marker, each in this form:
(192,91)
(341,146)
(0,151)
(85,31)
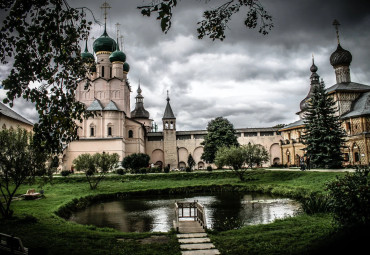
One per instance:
(214,21)
(41,39)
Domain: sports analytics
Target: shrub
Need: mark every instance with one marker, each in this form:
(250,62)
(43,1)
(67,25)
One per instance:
(65,172)
(209,168)
(350,197)
(143,170)
(136,161)
(166,169)
(120,171)
(315,204)
(188,169)
(156,170)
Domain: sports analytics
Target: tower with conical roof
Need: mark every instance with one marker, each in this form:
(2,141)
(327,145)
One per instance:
(169,136)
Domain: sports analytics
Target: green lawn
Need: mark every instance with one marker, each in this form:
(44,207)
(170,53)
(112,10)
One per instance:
(37,224)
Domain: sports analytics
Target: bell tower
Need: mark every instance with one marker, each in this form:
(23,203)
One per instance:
(169,137)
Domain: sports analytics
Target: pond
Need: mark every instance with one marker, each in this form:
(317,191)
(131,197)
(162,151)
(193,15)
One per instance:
(156,214)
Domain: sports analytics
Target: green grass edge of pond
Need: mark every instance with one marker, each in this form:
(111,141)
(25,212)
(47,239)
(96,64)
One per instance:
(37,224)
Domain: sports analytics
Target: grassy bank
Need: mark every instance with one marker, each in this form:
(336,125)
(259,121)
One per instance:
(38,226)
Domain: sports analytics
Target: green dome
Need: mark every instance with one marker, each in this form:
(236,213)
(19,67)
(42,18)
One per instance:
(104,43)
(86,55)
(117,55)
(126,67)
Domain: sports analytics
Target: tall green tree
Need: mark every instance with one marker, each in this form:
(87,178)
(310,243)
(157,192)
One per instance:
(95,166)
(324,136)
(20,162)
(40,39)
(220,133)
(215,21)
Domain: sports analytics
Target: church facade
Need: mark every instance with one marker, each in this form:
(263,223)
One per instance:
(352,102)
(115,128)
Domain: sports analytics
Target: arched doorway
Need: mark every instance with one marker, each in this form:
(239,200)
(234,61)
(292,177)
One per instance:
(182,165)
(157,157)
(183,155)
(356,154)
(275,154)
(201,165)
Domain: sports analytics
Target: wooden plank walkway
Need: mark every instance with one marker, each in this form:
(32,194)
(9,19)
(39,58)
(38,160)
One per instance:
(192,235)
(187,227)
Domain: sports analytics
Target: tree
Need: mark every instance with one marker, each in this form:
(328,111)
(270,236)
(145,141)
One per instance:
(95,166)
(220,133)
(191,161)
(40,38)
(324,136)
(20,162)
(256,155)
(136,161)
(214,21)
(237,157)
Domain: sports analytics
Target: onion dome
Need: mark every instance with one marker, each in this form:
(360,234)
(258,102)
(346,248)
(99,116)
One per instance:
(313,68)
(340,57)
(86,55)
(126,67)
(117,55)
(139,111)
(104,43)
(314,81)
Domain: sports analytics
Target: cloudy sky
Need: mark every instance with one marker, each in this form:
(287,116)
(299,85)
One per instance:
(250,79)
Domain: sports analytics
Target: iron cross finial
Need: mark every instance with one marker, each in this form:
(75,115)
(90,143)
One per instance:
(105,6)
(336,24)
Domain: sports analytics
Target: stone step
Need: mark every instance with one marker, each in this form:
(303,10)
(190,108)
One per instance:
(197,246)
(201,252)
(192,235)
(195,240)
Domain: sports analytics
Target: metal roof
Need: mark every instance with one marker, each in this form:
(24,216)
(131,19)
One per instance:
(4,110)
(111,106)
(168,113)
(360,107)
(293,125)
(95,106)
(348,86)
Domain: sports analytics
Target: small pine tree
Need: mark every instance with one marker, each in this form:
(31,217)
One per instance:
(191,161)
(324,135)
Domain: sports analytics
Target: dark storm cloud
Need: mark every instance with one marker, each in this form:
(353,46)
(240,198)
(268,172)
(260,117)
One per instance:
(251,79)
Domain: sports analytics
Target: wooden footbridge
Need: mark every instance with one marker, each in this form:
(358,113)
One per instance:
(191,224)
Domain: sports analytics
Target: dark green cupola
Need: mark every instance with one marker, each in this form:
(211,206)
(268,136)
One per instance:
(126,67)
(104,43)
(117,55)
(86,55)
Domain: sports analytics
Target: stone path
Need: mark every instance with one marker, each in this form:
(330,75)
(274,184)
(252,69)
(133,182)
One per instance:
(196,244)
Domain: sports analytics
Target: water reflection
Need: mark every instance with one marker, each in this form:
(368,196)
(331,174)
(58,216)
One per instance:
(223,211)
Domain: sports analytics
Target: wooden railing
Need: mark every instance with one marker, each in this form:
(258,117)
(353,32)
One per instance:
(190,210)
